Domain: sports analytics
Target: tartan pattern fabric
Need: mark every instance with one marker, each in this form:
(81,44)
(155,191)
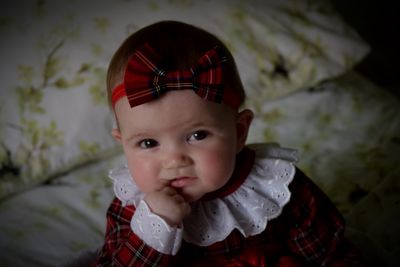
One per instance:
(122,247)
(145,81)
(309,232)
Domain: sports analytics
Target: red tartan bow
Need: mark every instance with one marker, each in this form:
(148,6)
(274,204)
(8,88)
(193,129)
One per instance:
(144,81)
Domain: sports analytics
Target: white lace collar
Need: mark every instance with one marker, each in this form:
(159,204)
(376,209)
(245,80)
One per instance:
(259,199)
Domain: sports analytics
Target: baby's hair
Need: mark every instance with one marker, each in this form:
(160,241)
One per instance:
(179,46)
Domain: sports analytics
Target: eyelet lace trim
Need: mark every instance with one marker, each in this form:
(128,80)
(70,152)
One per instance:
(154,231)
(259,199)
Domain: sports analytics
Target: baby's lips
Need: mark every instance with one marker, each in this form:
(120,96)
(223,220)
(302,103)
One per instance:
(182,181)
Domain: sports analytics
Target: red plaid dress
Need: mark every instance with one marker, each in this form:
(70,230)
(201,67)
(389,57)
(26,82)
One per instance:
(309,232)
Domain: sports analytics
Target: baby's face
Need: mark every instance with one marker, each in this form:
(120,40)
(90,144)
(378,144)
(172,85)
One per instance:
(179,140)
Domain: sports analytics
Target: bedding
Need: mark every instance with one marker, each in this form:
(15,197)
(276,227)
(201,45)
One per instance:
(54,113)
(349,147)
(295,58)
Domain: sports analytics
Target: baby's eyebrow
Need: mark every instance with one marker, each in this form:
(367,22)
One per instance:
(138,135)
(141,134)
(196,125)
(202,123)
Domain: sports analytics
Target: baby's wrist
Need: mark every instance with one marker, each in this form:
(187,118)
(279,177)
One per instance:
(166,207)
(155,231)
(156,207)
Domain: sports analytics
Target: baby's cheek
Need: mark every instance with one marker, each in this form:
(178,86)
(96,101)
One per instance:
(219,167)
(143,174)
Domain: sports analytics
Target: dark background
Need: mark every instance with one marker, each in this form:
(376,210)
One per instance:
(378,23)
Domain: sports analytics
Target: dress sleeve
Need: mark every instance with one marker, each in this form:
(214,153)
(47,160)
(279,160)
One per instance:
(155,231)
(122,247)
(316,227)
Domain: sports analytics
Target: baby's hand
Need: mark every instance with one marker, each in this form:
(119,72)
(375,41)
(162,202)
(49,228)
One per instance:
(168,204)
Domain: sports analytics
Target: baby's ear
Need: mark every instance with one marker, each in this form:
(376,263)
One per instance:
(116,133)
(243,121)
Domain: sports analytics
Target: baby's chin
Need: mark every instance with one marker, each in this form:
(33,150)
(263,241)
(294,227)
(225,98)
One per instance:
(190,197)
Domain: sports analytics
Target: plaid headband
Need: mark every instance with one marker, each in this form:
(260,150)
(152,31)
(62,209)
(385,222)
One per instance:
(144,81)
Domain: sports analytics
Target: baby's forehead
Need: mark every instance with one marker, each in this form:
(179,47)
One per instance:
(174,109)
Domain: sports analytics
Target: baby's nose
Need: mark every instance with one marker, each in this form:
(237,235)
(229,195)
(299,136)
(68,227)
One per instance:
(176,159)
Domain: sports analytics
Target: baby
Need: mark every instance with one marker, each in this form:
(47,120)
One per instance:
(193,193)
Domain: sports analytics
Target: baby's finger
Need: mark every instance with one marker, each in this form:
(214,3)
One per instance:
(161,184)
(178,198)
(169,191)
(186,208)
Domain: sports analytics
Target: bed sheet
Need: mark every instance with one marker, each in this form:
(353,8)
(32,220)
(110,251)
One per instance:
(52,224)
(347,131)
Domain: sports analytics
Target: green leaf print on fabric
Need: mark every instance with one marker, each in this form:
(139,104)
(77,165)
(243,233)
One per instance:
(101,24)
(30,95)
(96,89)
(37,140)
(88,149)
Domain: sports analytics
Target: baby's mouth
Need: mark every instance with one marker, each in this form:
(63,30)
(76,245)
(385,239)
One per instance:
(181,182)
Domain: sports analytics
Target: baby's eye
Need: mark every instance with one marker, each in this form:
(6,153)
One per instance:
(148,143)
(198,135)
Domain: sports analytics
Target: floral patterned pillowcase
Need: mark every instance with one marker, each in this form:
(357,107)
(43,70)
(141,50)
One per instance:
(53,110)
(54,114)
(52,119)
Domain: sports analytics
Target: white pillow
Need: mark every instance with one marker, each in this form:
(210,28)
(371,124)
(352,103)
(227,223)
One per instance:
(53,111)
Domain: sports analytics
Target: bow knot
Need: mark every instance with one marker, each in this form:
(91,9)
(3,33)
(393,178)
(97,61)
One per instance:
(145,81)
